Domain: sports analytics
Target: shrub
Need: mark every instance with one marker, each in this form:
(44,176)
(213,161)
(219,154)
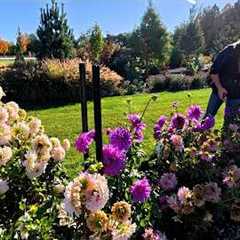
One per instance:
(157,83)
(133,87)
(53,81)
(178,82)
(199,80)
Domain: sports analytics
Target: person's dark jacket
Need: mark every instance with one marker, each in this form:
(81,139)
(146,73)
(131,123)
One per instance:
(227,67)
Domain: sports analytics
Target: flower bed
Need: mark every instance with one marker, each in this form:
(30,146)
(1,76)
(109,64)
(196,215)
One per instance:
(187,189)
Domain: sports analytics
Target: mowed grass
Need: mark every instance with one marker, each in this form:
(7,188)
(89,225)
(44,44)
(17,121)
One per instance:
(6,62)
(65,121)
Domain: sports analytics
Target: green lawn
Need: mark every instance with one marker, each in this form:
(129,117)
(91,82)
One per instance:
(5,62)
(64,122)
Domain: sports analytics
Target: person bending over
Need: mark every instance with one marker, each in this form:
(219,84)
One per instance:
(225,79)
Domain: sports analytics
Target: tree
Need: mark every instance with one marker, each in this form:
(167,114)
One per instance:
(55,37)
(33,46)
(189,38)
(150,41)
(21,46)
(4,47)
(210,26)
(96,41)
(108,51)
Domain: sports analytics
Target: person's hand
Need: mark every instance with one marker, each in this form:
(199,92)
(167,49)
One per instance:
(222,93)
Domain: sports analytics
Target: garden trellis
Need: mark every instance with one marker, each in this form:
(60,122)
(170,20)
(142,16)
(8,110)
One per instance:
(97,106)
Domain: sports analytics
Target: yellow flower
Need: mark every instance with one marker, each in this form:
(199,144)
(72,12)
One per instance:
(121,211)
(97,222)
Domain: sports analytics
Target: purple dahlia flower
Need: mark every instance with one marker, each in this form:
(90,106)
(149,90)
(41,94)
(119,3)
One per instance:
(120,138)
(178,121)
(208,123)
(137,126)
(135,120)
(113,160)
(140,190)
(84,140)
(138,135)
(168,181)
(158,127)
(194,112)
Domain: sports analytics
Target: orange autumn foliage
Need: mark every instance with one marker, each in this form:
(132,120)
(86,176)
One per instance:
(23,41)
(4,47)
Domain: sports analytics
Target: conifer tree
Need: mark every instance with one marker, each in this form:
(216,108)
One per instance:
(55,37)
(151,41)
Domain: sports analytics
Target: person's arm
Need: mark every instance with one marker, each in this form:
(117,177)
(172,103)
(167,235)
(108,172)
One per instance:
(216,69)
(222,92)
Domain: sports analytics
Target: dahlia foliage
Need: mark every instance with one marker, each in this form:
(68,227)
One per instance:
(190,182)
(188,188)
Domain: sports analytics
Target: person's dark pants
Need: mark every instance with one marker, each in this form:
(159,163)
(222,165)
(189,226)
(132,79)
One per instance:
(214,103)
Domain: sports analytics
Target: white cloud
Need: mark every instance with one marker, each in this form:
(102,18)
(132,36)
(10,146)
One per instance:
(192,1)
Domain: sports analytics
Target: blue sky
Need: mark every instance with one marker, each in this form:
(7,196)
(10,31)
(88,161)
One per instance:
(114,16)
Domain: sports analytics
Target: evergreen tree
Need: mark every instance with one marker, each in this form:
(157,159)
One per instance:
(55,37)
(189,38)
(150,41)
(210,26)
(96,41)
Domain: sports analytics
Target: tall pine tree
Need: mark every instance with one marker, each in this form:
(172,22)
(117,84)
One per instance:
(150,41)
(55,37)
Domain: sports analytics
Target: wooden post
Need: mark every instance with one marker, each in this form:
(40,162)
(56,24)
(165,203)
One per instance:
(84,111)
(97,111)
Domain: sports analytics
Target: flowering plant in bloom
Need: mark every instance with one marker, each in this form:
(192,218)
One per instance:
(121,158)
(84,200)
(31,174)
(194,175)
(188,188)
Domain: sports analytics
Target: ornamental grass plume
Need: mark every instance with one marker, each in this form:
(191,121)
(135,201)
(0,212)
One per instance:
(140,190)
(113,160)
